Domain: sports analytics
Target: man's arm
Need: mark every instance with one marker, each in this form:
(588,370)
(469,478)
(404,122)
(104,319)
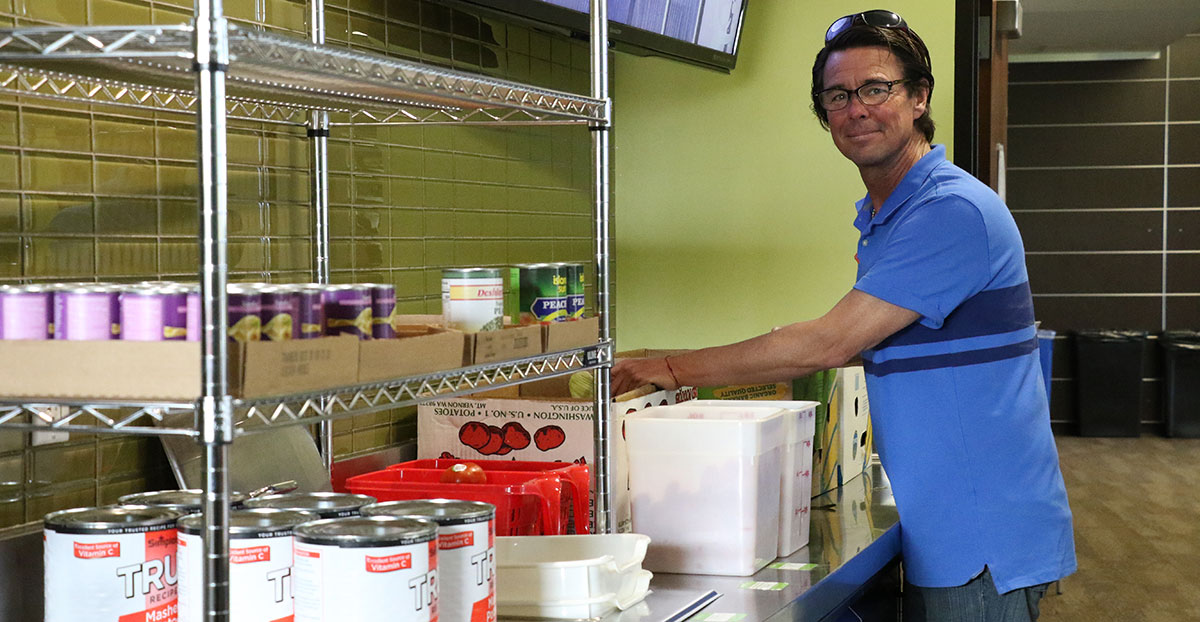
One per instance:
(857,322)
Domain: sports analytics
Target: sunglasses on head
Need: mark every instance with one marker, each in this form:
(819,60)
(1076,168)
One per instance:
(878,18)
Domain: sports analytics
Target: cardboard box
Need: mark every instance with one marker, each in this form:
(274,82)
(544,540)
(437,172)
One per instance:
(552,426)
(771,391)
(418,349)
(561,336)
(511,342)
(850,528)
(842,444)
(170,370)
(264,368)
(134,370)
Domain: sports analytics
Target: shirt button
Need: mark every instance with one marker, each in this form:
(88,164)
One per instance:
(865,242)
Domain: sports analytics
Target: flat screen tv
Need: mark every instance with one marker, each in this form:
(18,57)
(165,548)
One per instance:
(702,32)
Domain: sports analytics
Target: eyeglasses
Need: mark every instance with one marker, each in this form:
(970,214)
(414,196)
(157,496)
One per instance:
(878,18)
(870,94)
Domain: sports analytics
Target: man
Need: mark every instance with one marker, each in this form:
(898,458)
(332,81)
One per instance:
(942,316)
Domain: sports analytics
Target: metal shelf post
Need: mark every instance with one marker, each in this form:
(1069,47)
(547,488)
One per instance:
(318,134)
(216,407)
(605,469)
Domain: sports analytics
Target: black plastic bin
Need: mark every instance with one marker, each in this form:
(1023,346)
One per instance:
(1181,358)
(1109,381)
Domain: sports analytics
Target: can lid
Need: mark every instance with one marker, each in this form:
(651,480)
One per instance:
(245,288)
(83,288)
(324,504)
(367,531)
(440,511)
(150,290)
(35,288)
(471,272)
(190,500)
(534,265)
(346,287)
(252,522)
(112,519)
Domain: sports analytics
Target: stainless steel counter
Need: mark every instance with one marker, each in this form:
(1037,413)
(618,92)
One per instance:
(855,534)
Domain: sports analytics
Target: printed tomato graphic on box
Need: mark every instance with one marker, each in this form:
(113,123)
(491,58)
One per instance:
(548,437)
(491,440)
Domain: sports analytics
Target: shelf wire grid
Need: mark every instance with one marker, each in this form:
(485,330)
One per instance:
(272,78)
(257,414)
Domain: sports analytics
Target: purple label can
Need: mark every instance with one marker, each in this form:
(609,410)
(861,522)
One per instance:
(245,312)
(153,314)
(348,310)
(26,312)
(279,313)
(310,311)
(194,327)
(383,311)
(114,300)
(84,313)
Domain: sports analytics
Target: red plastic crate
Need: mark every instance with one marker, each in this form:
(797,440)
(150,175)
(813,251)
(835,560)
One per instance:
(526,503)
(573,515)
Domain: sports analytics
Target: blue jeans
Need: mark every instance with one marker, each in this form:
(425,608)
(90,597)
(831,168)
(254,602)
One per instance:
(977,601)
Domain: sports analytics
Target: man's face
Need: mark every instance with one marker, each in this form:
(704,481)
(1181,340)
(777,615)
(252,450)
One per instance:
(872,136)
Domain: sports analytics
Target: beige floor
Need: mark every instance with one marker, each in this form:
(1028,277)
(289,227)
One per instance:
(1136,504)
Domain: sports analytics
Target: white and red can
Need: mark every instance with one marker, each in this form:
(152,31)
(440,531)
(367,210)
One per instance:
(185,501)
(323,504)
(111,564)
(366,568)
(466,553)
(260,565)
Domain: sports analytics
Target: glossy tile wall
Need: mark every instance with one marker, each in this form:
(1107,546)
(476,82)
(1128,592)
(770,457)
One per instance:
(1104,182)
(109,194)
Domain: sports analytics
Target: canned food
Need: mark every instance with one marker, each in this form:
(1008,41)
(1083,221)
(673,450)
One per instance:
(323,504)
(576,300)
(245,312)
(383,311)
(466,553)
(348,310)
(260,565)
(310,311)
(153,314)
(114,301)
(26,312)
(187,501)
(84,313)
(366,568)
(472,299)
(110,564)
(543,297)
(194,329)
(279,310)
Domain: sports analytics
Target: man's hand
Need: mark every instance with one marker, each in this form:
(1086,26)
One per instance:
(629,374)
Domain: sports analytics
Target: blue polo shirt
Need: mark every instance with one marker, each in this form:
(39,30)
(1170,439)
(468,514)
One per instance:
(957,398)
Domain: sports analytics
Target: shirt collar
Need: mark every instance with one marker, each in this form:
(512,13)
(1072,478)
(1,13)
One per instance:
(913,180)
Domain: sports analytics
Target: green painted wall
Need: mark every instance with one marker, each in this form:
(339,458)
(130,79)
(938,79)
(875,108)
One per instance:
(733,208)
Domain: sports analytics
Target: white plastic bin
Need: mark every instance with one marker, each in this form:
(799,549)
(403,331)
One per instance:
(704,485)
(572,577)
(795,485)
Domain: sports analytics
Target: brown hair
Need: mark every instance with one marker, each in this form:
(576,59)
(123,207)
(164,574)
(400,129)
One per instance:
(903,43)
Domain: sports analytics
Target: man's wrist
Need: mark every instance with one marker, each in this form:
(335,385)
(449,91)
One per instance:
(674,379)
